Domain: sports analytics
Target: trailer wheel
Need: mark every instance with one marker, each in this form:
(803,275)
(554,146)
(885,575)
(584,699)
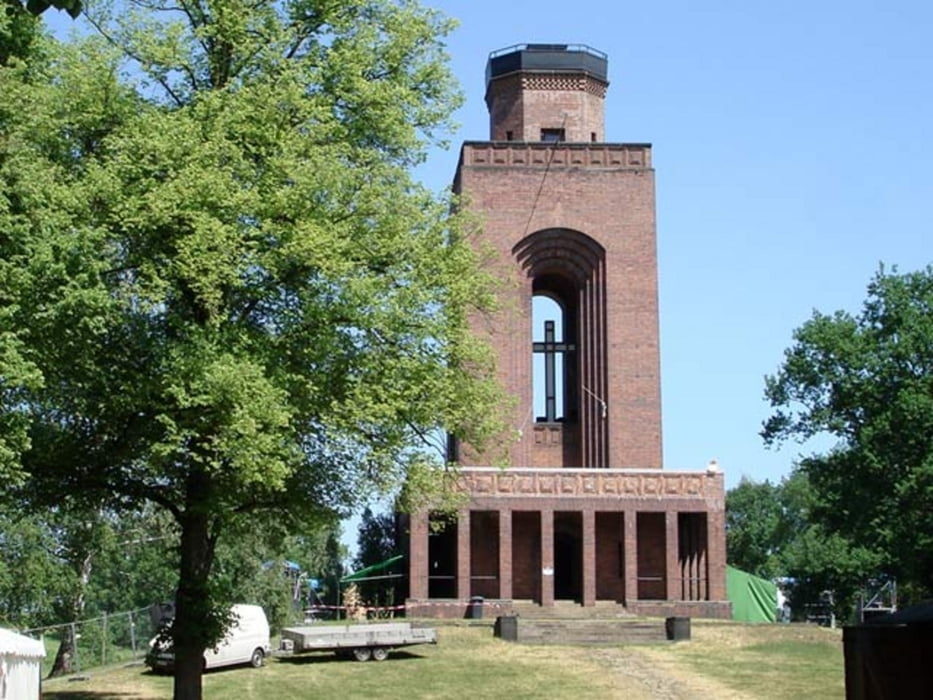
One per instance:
(380,654)
(362,653)
(257,658)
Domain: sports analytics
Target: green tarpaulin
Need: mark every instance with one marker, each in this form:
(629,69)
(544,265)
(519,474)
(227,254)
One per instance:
(753,599)
(363,574)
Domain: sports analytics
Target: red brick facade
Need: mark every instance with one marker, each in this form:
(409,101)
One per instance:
(583,511)
(590,207)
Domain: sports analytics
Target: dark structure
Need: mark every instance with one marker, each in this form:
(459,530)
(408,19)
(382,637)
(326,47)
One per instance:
(584,512)
(888,657)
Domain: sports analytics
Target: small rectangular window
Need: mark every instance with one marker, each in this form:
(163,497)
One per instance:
(508,135)
(552,135)
(593,136)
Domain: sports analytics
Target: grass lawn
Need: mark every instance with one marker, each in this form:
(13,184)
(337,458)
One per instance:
(722,660)
(760,661)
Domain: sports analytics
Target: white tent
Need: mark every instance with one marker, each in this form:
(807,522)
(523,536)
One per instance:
(20,671)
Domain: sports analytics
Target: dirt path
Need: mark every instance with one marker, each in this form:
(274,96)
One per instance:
(652,674)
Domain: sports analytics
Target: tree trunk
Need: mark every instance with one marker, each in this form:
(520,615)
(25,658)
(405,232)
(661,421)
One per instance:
(192,600)
(66,655)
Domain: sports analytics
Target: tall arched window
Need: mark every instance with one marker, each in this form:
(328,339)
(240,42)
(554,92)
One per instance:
(547,332)
(554,348)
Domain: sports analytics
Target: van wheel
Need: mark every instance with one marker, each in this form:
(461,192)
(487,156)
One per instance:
(380,654)
(257,658)
(362,653)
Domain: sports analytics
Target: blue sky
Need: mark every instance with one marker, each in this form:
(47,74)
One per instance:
(793,155)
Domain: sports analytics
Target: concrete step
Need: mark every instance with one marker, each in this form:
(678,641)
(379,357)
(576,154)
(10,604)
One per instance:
(582,631)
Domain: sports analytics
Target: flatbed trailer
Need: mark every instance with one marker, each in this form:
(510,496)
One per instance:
(362,642)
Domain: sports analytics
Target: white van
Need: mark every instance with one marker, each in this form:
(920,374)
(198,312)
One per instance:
(246,642)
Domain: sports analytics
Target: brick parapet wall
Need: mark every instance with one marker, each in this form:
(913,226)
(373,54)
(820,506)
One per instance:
(533,154)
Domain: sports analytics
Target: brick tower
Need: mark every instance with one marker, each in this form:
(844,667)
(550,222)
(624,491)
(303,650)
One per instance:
(584,511)
(572,219)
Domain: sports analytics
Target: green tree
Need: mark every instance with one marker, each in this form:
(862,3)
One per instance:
(251,567)
(235,298)
(18,31)
(136,565)
(376,543)
(55,549)
(56,567)
(320,555)
(867,380)
(771,532)
(330,570)
(754,532)
(78,536)
(32,578)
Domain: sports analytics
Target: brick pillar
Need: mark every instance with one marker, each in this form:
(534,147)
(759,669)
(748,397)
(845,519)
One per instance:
(716,554)
(547,558)
(463,554)
(589,557)
(673,577)
(418,556)
(505,554)
(630,537)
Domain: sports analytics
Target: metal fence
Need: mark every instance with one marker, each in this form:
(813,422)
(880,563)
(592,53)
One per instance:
(108,639)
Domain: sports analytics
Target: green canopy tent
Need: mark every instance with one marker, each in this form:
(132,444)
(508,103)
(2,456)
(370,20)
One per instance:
(369,573)
(753,599)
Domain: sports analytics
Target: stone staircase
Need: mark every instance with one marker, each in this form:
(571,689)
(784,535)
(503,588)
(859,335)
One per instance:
(604,624)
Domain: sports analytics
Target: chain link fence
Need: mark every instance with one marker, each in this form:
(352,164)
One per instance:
(108,639)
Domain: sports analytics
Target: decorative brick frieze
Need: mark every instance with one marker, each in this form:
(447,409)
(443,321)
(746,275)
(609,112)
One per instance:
(596,484)
(563,82)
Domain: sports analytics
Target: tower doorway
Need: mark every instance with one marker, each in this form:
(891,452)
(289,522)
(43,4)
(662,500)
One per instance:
(442,557)
(568,556)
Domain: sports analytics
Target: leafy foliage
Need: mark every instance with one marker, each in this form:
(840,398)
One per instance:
(771,532)
(251,567)
(867,380)
(377,541)
(37,7)
(31,578)
(755,532)
(58,567)
(18,31)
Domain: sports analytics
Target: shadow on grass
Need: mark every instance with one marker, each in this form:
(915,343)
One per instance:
(326,657)
(90,695)
(219,670)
